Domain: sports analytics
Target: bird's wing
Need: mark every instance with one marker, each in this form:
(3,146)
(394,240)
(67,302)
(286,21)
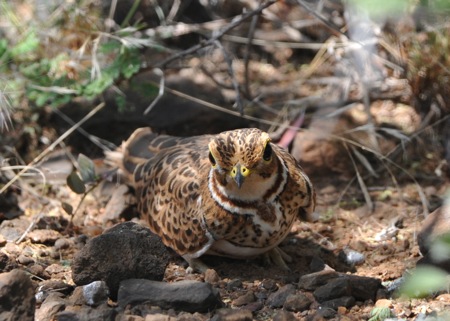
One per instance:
(168,188)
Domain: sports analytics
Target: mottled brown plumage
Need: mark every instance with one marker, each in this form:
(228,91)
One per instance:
(233,194)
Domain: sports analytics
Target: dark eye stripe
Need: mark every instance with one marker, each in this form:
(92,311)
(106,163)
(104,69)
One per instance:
(267,152)
(212,159)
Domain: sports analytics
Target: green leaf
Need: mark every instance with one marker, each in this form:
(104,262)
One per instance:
(97,86)
(424,281)
(75,183)
(67,208)
(87,169)
(440,248)
(26,46)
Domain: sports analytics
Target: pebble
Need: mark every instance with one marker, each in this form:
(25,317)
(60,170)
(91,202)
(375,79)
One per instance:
(211,276)
(354,257)
(25,260)
(311,281)
(269,285)
(234,284)
(232,315)
(53,304)
(297,302)
(95,293)
(16,296)
(345,301)
(43,236)
(39,271)
(277,299)
(383,303)
(62,244)
(244,299)
(282,315)
(189,296)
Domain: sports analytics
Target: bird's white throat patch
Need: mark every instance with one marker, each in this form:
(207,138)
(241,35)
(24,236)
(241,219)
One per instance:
(249,191)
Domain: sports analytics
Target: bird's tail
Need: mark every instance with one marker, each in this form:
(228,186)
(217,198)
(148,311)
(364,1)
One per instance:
(133,152)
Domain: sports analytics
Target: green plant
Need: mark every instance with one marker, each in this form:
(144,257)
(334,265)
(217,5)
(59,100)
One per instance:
(71,55)
(81,181)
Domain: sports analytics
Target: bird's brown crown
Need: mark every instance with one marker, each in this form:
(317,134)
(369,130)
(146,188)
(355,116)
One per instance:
(243,145)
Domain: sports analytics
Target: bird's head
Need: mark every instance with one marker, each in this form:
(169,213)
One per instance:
(244,164)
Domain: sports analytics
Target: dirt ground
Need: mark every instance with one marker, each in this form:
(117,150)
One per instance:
(385,237)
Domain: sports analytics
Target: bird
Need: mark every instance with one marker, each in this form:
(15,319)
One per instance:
(234,194)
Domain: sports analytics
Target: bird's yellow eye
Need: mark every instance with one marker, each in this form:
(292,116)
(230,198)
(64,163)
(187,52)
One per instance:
(212,160)
(267,155)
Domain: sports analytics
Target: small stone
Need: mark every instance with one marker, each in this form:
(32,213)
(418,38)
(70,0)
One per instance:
(62,244)
(232,315)
(95,293)
(317,264)
(336,288)
(312,281)
(129,317)
(24,260)
(87,313)
(297,302)
(12,230)
(17,301)
(2,240)
(244,299)
(383,303)
(190,296)
(211,276)
(6,262)
(39,271)
(342,310)
(253,306)
(345,301)
(47,287)
(363,288)
(327,313)
(353,257)
(159,317)
(269,285)
(282,315)
(44,236)
(55,269)
(277,299)
(234,284)
(52,304)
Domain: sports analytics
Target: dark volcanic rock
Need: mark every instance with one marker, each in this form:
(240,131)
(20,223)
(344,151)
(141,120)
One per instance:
(190,296)
(313,280)
(345,301)
(6,263)
(17,301)
(297,302)
(364,288)
(125,251)
(277,299)
(87,313)
(359,287)
(334,289)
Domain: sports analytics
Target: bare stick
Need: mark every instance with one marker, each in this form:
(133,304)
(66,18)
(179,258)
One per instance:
(251,34)
(213,39)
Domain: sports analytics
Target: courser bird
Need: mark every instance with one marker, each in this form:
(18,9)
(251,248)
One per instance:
(234,194)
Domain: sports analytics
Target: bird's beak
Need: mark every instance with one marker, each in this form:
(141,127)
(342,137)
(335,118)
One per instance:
(239,173)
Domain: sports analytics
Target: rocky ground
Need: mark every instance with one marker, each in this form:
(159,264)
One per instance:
(101,263)
(106,266)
